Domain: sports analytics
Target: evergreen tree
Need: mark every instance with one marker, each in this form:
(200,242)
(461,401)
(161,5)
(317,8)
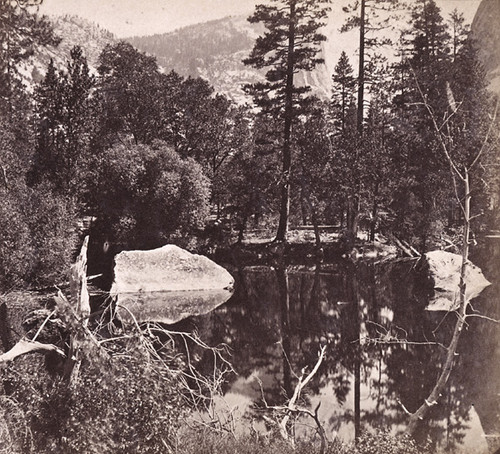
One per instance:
(290,44)
(21,29)
(315,171)
(365,15)
(459,31)
(130,85)
(344,84)
(66,110)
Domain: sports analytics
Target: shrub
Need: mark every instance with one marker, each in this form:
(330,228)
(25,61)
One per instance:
(145,193)
(381,442)
(122,406)
(37,237)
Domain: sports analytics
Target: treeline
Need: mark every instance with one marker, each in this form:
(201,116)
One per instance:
(152,154)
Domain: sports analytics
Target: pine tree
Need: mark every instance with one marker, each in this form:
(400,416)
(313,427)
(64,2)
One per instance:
(290,44)
(66,110)
(368,21)
(366,17)
(130,84)
(344,84)
(20,31)
(459,31)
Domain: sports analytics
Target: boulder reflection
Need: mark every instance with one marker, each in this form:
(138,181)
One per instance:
(279,317)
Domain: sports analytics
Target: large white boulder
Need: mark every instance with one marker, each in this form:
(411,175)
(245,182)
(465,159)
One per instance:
(168,268)
(168,284)
(444,269)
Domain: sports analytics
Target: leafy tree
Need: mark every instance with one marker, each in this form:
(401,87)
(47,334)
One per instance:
(428,185)
(37,237)
(369,21)
(148,192)
(130,85)
(228,132)
(459,31)
(290,44)
(37,233)
(315,171)
(378,156)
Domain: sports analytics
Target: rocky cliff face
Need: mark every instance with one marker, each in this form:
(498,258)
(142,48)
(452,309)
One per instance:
(486,32)
(214,51)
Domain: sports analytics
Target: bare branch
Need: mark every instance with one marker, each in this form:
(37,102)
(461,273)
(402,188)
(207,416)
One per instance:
(485,317)
(25,346)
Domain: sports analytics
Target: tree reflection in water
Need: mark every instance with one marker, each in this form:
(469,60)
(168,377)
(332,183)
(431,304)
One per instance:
(280,316)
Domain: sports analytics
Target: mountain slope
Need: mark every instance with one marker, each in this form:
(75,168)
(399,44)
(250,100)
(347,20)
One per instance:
(486,31)
(73,31)
(214,50)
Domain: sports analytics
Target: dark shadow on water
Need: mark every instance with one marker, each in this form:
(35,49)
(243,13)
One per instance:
(280,316)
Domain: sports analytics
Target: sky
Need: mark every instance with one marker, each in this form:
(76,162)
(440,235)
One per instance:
(135,17)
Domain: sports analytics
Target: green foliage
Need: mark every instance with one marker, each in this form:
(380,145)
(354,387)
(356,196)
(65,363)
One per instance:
(20,31)
(343,97)
(145,193)
(316,176)
(290,44)
(383,441)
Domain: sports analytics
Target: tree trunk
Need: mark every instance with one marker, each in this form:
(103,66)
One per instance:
(438,389)
(241,229)
(287,154)
(306,198)
(361,70)
(373,222)
(352,219)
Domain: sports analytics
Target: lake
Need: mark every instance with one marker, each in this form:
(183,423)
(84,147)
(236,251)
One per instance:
(384,350)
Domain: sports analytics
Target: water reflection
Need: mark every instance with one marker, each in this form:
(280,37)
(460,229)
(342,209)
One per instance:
(280,316)
(170,306)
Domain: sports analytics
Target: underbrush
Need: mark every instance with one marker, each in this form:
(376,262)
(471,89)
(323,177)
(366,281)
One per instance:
(122,406)
(381,442)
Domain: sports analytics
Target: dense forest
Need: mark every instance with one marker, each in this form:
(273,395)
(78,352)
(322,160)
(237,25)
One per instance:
(153,157)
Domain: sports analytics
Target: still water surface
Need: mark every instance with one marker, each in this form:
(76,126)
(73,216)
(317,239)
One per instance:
(281,315)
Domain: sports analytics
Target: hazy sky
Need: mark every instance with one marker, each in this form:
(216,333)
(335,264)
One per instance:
(136,17)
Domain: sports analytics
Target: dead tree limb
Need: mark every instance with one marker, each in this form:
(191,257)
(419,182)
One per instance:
(463,175)
(293,409)
(25,346)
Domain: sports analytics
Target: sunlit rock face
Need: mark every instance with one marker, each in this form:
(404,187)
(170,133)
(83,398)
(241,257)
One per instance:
(486,33)
(168,284)
(444,269)
(169,268)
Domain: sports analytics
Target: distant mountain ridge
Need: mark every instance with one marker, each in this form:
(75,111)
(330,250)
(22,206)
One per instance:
(214,51)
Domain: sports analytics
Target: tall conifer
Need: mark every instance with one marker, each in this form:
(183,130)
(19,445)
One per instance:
(290,44)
